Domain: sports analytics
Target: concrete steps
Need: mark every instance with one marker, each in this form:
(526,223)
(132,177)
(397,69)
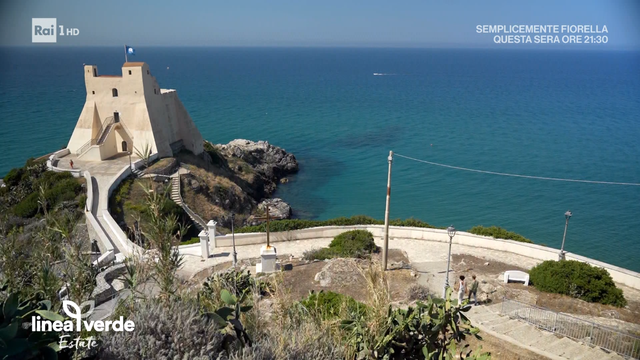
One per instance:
(177,198)
(175,190)
(137,173)
(527,336)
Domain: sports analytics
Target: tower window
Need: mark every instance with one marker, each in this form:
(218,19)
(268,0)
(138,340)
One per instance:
(114,92)
(95,72)
(93,92)
(129,72)
(155,91)
(147,72)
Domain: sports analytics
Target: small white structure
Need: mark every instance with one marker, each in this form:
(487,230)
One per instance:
(516,275)
(267,260)
(211,227)
(204,244)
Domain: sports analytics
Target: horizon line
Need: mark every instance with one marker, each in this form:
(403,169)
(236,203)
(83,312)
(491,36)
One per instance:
(435,47)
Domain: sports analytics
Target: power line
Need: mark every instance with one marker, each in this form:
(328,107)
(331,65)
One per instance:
(517,175)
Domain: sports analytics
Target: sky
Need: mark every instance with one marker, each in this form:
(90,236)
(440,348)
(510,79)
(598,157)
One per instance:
(358,23)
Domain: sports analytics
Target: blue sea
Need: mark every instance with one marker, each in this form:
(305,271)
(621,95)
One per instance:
(560,114)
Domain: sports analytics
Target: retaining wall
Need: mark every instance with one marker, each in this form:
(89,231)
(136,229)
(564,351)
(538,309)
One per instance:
(105,245)
(126,246)
(52,163)
(538,252)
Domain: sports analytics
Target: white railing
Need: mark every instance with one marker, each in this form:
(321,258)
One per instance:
(575,328)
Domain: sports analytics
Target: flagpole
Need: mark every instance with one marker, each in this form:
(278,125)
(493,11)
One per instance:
(125,54)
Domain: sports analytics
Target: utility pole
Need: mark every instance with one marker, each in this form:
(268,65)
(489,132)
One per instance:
(233,239)
(385,249)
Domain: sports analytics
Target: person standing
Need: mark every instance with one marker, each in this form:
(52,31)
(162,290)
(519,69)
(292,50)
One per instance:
(462,288)
(473,290)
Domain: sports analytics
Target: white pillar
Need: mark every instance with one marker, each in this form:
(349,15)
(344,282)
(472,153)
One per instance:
(204,244)
(211,225)
(268,260)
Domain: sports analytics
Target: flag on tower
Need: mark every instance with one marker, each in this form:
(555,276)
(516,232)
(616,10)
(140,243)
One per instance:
(128,50)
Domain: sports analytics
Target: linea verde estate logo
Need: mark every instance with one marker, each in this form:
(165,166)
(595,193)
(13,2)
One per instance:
(77,324)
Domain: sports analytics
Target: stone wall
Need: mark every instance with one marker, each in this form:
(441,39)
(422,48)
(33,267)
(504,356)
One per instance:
(538,252)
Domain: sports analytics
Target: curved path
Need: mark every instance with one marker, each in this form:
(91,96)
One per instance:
(102,175)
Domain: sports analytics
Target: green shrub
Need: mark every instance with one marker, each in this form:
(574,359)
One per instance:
(349,244)
(354,243)
(28,207)
(329,305)
(577,279)
(64,190)
(13,177)
(165,330)
(297,224)
(82,201)
(498,233)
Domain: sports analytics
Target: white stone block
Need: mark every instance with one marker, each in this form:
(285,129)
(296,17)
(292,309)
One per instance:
(211,226)
(267,260)
(516,275)
(204,244)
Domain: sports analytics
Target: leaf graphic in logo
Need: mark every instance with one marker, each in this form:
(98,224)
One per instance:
(72,310)
(91,304)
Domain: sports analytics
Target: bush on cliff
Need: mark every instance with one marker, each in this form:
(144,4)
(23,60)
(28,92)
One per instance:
(297,224)
(577,279)
(498,233)
(60,188)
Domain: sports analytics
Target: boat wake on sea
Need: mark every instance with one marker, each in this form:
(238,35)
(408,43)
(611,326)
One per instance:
(383,74)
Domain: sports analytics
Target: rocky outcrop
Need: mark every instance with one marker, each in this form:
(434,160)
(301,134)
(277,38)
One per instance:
(237,178)
(270,161)
(278,210)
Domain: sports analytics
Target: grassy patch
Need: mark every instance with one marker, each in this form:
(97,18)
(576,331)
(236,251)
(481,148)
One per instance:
(159,165)
(329,305)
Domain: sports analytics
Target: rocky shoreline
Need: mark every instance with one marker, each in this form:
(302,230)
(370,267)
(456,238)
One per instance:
(238,178)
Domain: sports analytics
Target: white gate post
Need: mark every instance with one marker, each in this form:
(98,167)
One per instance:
(211,225)
(204,244)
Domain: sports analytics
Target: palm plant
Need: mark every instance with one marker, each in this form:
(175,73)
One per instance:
(164,234)
(144,153)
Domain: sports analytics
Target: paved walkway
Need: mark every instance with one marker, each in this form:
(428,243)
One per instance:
(526,336)
(102,173)
(418,251)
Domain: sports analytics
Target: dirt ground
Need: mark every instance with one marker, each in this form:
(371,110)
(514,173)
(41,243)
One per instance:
(346,278)
(468,265)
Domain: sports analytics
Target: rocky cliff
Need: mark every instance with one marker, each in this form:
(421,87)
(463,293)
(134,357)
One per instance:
(239,177)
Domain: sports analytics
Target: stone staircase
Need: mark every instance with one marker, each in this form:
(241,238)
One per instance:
(175,189)
(177,198)
(527,336)
(137,173)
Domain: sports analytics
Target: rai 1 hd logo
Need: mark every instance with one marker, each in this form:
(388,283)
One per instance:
(47,30)
(78,322)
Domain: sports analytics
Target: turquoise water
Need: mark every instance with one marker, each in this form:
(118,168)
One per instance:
(557,114)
